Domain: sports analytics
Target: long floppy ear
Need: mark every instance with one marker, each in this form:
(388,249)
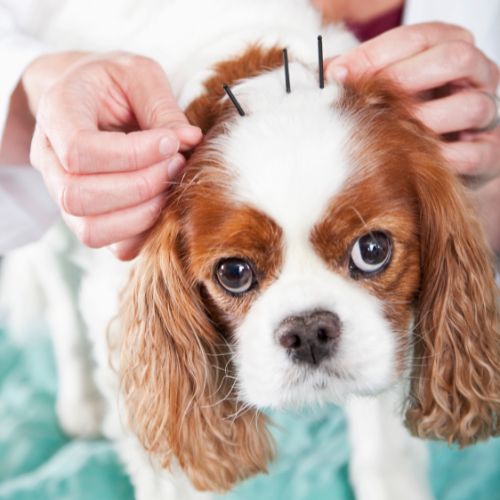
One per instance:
(455,393)
(173,371)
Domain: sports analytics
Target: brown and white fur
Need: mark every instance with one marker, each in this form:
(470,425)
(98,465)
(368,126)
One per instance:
(290,188)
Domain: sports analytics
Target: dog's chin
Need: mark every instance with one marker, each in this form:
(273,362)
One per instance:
(305,387)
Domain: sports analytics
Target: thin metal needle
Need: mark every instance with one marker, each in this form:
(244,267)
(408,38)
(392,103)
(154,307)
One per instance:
(287,71)
(320,62)
(233,99)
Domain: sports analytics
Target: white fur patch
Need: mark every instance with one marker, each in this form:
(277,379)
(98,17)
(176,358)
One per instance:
(288,159)
(287,154)
(364,362)
(188,37)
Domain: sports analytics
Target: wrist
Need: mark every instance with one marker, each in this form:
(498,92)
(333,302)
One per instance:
(43,72)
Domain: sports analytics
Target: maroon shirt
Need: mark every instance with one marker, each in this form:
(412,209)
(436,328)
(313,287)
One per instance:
(386,21)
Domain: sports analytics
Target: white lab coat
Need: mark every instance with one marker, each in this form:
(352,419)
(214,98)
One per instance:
(26,210)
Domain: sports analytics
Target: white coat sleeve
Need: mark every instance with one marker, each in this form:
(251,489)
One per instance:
(17,49)
(481,17)
(26,210)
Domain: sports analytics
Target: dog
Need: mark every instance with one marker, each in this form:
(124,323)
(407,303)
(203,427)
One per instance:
(317,248)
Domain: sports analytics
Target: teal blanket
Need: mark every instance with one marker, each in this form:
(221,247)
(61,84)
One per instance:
(38,462)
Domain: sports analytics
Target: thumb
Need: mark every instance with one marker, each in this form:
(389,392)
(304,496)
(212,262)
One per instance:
(154,104)
(334,71)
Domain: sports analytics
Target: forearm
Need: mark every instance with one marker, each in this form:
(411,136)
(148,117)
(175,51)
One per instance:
(19,126)
(41,74)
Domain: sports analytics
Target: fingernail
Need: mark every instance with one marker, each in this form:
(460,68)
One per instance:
(113,248)
(191,130)
(337,73)
(175,166)
(168,146)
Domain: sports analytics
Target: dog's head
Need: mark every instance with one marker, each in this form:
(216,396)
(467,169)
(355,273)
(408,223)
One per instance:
(315,248)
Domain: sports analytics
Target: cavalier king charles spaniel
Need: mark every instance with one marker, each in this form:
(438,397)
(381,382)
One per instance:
(316,249)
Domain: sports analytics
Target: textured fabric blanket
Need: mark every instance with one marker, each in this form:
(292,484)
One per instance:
(37,461)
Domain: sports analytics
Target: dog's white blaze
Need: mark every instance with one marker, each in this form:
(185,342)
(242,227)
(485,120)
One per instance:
(366,350)
(287,153)
(292,176)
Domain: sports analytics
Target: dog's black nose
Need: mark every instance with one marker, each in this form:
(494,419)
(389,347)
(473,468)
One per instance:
(311,337)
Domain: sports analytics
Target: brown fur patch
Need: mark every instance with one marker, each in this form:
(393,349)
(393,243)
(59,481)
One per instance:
(175,368)
(206,109)
(441,260)
(373,204)
(218,227)
(175,363)
(380,195)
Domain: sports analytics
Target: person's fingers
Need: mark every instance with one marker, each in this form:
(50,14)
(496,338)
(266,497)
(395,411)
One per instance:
(465,110)
(101,230)
(188,137)
(446,62)
(85,195)
(392,46)
(70,114)
(82,148)
(129,249)
(98,152)
(474,160)
(43,156)
(152,99)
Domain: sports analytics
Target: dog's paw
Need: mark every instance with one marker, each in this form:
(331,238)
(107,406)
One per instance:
(80,416)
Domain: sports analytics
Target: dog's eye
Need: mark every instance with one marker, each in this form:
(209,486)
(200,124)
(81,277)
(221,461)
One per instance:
(235,275)
(370,253)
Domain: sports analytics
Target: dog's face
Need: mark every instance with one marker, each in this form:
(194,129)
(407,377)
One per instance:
(308,258)
(315,248)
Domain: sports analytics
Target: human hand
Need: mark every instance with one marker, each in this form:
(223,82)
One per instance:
(424,57)
(108,142)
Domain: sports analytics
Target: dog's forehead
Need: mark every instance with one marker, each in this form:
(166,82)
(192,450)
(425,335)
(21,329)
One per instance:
(288,154)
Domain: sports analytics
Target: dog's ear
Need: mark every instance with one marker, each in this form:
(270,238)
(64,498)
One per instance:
(173,371)
(455,392)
